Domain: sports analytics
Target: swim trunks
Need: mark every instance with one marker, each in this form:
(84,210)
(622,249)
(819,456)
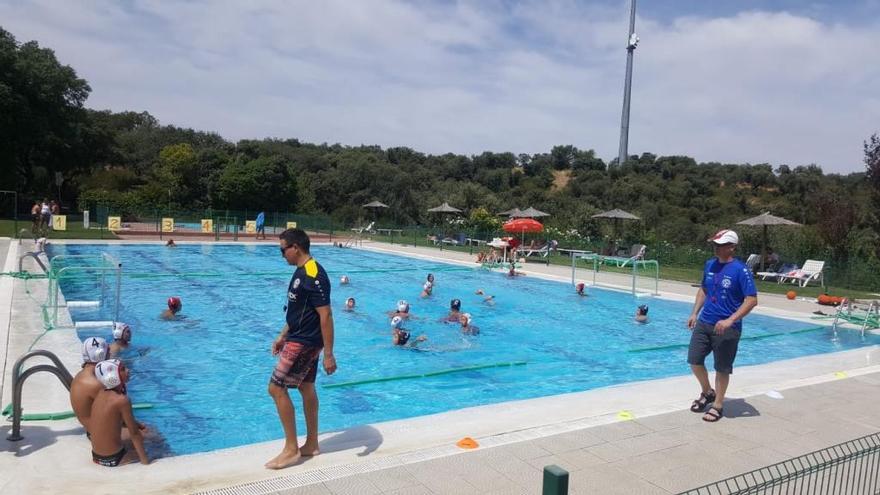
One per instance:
(297,363)
(112,460)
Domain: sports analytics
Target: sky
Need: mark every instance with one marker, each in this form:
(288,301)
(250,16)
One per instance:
(746,81)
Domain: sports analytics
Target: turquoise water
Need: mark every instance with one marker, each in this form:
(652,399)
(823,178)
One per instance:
(207,372)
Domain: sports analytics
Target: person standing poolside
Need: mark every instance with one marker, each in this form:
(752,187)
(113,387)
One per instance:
(261,225)
(85,385)
(309,329)
(727,294)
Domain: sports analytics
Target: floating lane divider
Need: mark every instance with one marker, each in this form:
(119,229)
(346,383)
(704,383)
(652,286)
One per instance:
(424,375)
(94,324)
(748,337)
(59,415)
(83,304)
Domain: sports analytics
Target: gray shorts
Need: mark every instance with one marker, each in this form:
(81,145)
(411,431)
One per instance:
(723,347)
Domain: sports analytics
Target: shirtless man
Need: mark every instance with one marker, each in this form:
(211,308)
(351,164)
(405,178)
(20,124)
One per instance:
(467,326)
(401,336)
(454,310)
(174,307)
(402,310)
(85,386)
(111,412)
(121,338)
(427,289)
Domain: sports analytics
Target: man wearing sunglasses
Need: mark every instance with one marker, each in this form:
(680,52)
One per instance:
(308,331)
(727,294)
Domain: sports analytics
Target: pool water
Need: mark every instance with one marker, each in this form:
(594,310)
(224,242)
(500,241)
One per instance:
(206,373)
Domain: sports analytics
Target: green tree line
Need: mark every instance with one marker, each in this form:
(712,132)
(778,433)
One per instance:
(132,163)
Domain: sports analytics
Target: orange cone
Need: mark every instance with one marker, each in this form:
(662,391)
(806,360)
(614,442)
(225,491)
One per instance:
(467,443)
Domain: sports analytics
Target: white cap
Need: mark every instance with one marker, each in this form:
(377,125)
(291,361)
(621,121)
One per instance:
(396,321)
(466,316)
(402,306)
(725,237)
(94,349)
(343,279)
(107,372)
(121,331)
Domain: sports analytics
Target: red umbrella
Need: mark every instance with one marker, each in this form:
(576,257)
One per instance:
(523,226)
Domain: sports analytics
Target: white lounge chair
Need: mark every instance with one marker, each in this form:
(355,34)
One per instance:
(752,261)
(541,251)
(812,270)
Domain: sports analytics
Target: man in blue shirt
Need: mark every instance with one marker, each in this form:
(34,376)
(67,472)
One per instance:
(727,294)
(308,330)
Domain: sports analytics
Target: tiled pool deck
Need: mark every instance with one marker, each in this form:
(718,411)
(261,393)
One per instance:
(825,400)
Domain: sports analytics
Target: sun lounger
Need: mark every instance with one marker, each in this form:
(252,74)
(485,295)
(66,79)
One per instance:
(541,251)
(637,253)
(812,270)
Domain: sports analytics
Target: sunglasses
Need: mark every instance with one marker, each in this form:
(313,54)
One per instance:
(284,249)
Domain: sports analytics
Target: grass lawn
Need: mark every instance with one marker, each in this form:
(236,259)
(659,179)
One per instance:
(74,231)
(677,273)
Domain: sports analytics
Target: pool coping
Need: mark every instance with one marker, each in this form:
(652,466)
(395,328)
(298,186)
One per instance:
(493,424)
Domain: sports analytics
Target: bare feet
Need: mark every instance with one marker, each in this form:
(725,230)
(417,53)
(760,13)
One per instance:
(284,459)
(309,450)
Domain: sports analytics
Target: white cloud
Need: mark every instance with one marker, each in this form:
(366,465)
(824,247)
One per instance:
(754,87)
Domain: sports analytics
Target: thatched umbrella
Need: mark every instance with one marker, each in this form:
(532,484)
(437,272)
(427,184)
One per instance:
(375,206)
(765,219)
(617,215)
(534,213)
(444,208)
(512,213)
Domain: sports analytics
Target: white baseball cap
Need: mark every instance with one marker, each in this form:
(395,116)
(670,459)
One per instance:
(724,237)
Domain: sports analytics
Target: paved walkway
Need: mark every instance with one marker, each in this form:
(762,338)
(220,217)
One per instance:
(661,454)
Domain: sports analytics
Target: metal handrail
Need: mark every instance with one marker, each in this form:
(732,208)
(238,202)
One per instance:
(18,379)
(35,256)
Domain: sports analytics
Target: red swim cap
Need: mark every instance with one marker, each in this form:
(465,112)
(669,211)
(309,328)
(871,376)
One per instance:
(174,303)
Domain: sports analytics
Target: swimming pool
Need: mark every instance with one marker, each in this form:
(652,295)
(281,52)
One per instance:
(207,373)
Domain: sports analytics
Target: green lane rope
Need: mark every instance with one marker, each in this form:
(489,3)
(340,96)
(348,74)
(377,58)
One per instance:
(59,415)
(23,275)
(749,337)
(79,276)
(424,375)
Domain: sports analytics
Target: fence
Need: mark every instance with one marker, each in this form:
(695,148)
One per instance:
(849,468)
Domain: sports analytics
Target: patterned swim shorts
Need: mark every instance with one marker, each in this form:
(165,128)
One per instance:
(297,363)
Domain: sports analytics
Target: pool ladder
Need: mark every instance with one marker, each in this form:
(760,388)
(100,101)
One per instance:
(18,377)
(35,256)
(847,308)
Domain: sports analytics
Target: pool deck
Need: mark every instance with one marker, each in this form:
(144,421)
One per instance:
(633,438)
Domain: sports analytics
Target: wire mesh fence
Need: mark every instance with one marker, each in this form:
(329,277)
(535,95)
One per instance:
(849,468)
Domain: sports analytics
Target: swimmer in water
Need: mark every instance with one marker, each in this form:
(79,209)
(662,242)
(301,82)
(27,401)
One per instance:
(467,326)
(344,280)
(349,304)
(402,310)
(401,336)
(642,314)
(427,289)
(581,289)
(430,278)
(490,300)
(121,338)
(454,310)
(174,307)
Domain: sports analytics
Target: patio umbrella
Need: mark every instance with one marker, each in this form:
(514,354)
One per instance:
(765,219)
(513,213)
(617,215)
(375,206)
(522,226)
(444,208)
(533,213)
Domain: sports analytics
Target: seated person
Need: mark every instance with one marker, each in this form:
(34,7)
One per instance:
(174,307)
(111,411)
(400,336)
(344,280)
(492,257)
(490,300)
(402,310)
(121,338)
(581,289)
(454,310)
(427,289)
(481,256)
(85,385)
(771,259)
(642,314)
(349,304)
(170,243)
(467,326)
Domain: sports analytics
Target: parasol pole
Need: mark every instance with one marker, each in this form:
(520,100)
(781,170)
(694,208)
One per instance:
(763,247)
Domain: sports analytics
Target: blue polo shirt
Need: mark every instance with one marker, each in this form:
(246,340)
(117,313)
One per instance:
(309,289)
(726,286)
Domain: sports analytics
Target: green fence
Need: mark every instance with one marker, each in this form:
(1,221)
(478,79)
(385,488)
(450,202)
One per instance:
(849,468)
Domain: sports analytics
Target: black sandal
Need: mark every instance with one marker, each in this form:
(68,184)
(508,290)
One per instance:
(713,417)
(705,399)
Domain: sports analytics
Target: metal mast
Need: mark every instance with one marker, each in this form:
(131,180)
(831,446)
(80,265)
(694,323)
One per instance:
(631,43)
